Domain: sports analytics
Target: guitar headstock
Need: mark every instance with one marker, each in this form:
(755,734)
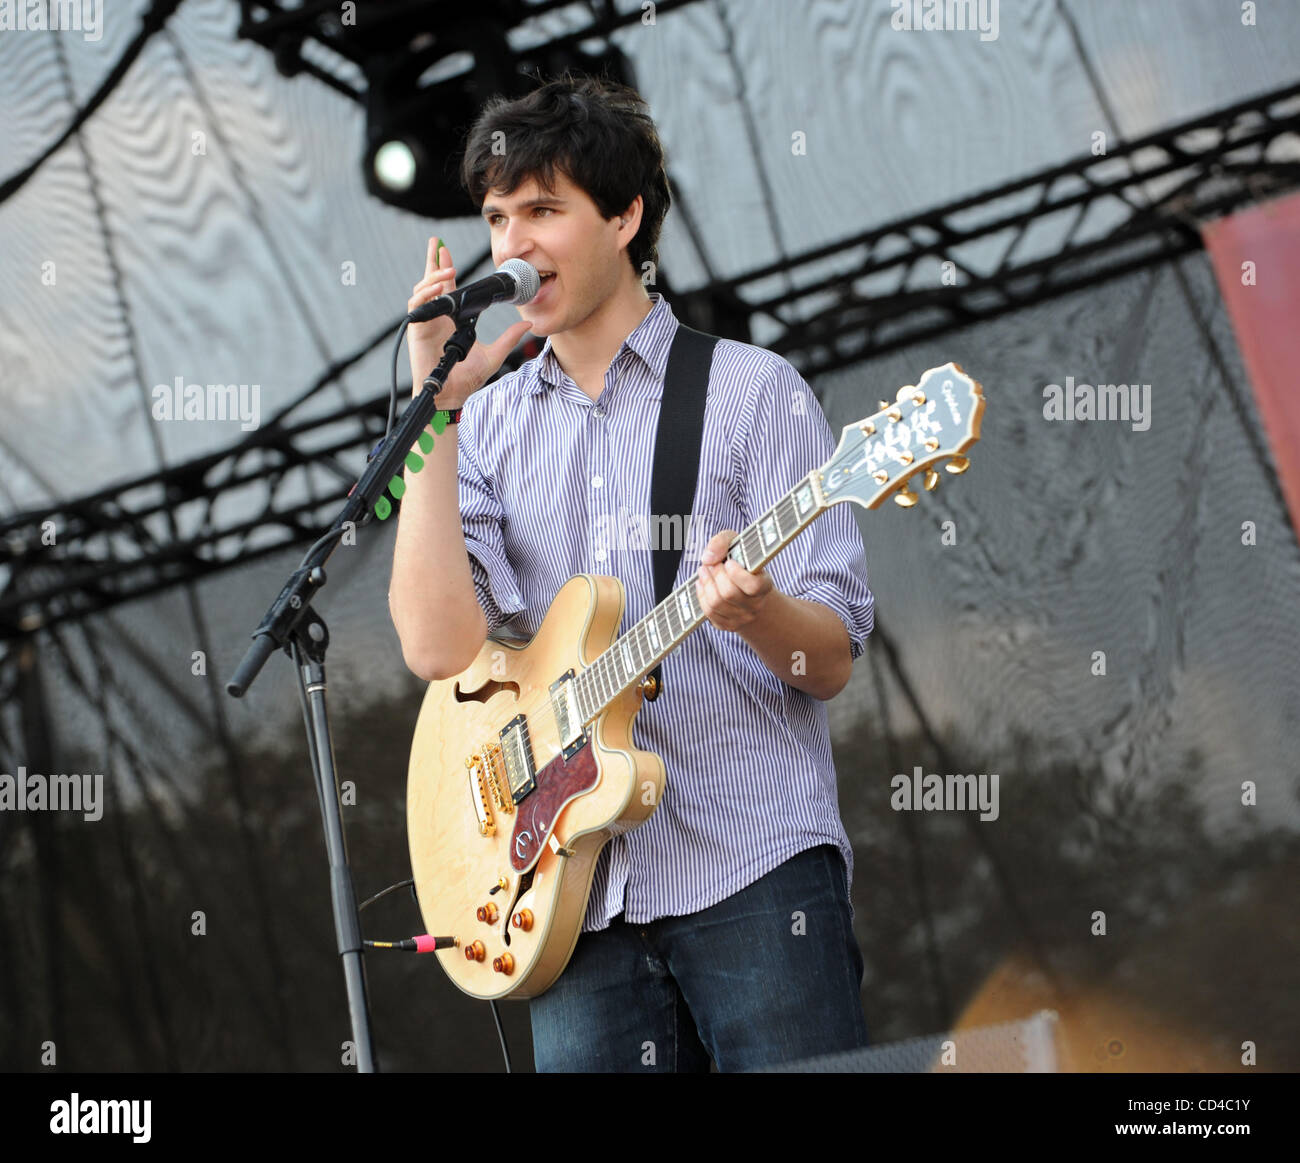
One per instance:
(937,419)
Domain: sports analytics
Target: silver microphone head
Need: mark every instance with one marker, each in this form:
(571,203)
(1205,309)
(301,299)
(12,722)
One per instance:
(527,281)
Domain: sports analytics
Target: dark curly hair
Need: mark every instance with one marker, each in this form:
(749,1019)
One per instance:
(598,133)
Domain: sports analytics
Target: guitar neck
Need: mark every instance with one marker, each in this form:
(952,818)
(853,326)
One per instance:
(636,653)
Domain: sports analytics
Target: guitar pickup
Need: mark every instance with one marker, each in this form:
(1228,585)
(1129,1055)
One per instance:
(517,751)
(568,719)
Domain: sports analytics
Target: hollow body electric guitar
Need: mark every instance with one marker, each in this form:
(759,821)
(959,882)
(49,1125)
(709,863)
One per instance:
(523,767)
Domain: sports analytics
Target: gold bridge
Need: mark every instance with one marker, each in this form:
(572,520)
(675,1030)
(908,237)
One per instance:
(486,771)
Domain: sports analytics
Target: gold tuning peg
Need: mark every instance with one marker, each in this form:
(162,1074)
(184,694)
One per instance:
(883,405)
(958,464)
(906,499)
(905,391)
(931,480)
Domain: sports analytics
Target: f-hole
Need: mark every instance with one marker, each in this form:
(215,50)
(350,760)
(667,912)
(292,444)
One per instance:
(486,691)
(525,883)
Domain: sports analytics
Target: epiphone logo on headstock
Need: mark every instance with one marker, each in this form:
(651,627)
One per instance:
(952,401)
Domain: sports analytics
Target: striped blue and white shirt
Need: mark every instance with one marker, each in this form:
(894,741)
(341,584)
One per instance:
(553,484)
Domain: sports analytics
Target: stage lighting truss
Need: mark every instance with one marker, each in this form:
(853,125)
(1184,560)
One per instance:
(855,299)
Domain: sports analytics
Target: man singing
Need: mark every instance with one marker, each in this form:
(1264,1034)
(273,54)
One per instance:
(720,928)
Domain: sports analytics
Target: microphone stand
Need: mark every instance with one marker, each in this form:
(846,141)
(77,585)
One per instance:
(290,624)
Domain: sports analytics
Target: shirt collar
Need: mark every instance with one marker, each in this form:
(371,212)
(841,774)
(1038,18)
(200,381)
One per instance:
(650,341)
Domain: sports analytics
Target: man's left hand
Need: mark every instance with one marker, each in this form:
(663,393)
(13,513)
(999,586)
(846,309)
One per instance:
(730,596)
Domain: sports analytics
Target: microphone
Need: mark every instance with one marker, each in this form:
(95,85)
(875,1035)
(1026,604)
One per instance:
(514,282)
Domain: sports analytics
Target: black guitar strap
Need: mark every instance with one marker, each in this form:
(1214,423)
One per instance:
(677,452)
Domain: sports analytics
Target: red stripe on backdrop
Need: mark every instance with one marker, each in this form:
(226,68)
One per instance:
(1263,301)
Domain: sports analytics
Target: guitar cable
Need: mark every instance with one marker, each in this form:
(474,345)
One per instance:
(421,944)
(425,943)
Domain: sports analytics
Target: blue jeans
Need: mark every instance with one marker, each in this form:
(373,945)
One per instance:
(771,974)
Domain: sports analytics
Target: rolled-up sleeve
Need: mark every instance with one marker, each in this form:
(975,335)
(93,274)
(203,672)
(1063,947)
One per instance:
(483,522)
(784,438)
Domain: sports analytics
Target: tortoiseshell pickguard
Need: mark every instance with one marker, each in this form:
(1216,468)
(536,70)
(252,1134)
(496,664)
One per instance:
(557,783)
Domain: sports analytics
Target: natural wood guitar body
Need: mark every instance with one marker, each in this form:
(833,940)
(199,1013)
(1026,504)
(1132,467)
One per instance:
(454,865)
(523,768)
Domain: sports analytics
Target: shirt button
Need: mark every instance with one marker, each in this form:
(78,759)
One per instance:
(599,555)
(598,411)
(597,481)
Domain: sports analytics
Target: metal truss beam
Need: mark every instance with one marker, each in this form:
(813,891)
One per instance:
(383,30)
(1055,232)
(1061,230)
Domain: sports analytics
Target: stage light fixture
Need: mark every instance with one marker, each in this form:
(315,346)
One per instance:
(395,166)
(415,126)
(428,68)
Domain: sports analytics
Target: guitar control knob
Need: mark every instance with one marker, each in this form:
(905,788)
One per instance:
(487,913)
(475,951)
(503,964)
(650,687)
(523,919)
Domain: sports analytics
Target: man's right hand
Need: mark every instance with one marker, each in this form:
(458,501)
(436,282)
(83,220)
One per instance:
(425,341)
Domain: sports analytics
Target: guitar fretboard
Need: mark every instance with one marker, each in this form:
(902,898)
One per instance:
(661,631)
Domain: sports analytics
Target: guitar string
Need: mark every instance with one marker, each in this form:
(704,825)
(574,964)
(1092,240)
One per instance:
(784,508)
(637,633)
